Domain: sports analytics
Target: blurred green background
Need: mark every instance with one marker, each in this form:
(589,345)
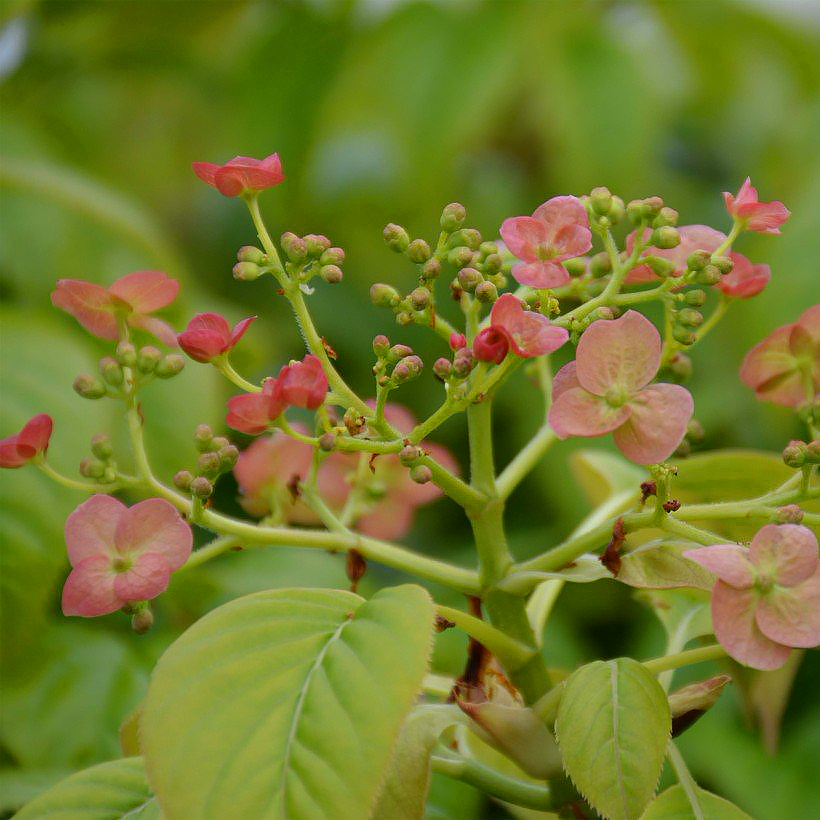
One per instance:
(381,110)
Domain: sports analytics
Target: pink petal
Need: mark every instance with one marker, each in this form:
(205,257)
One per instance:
(491,346)
(765,217)
(92,306)
(657,423)
(249,413)
(33,439)
(564,379)
(729,562)
(154,527)
(396,415)
(239,331)
(810,321)
(156,327)
(787,551)
(771,371)
(746,280)
(733,621)
(530,334)
(207,336)
(146,291)
(541,275)
(303,384)
(622,354)
(89,589)
(567,226)
(10,455)
(523,235)
(791,615)
(576,412)
(206,171)
(247,174)
(389,519)
(89,530)
(147,578)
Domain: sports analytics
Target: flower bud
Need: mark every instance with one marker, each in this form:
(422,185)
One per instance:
(208,464)
(101,446)
(142,620)
(316,244)
(794,454)
(92,468)
(680,366)
(665,217)
(228,456)
(442,368)
(604,222)
(469,278)
(148,358)
(601,200)
(693,701)
(109,475)
(457,341)
(246,271)
(813,451)
(332,256)
(420,298)
(696,298)
(332,274)
(463,363)
(201,487)
(660,267)
(421,474)
(418,251)
(182,480)
(398,352)
(355,568)
(665,237)
(683,335)
(493,264)
(486,293)
(636,210)
(653,205)
(327,442)
(410,454)
(683,449)
(695,431)
(88,387)
(460,257)
(382,295)
(616,210)
(203,436)
(126,354)
(490,346)
(396,238)
(690,317)
(407,369)
(169,366)
(381,345)
(471,238)
(600,264)
(723,263)
(605,313)
(111,371)
(577,266)
(710,275)
(218,442)
(452,217)
(248,253)
(486,249)
(431,269)
(790,514)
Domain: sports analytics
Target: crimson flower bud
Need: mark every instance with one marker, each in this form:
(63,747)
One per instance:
(332,274)
(248,253)
(457,341)
(463,363)
(201,487)
(442,368)
(421,474)
(399,352)
(469,278)
(88,387)
(418,251)
(452,217)
(382,295)
(396,238)
(490,346)
(182,480)
(332,256)
(407,369)
(486,293)
(126,354)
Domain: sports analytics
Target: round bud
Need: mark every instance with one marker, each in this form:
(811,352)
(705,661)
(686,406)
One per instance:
(111,371)
(604,222)
(710,275)
(126,354)
(601,200)
(201,487)
(683,449)
(296,249)
(332,256)
(486,293)
(680,366)
(404,318)
(486,249)
(407,369)
(420,298)
(228,456)
(665,237)
(794,454)
(695,431)
(790,514)
(463,363)
(142,620)
(148,358)
(109,476)
(577,266)
(418,251)
(410,454)
(169,366)
(88,387)
(381,345)
(469,278)
(442,368)
(248,253)
(813,451)
(653,205)
(457,341)
(332,274)
(182,480)
(382,295)
(660,267)
(208,464)
(203,436)
(92,468)
(421,474)
(636,210)
(723,263)
(218,442)
(690,317)
(493,263)
(460,257)
(101,446)
(696,298)
(396,238)
(399,352)
(316,244)
(471,238)
(683,335)
(616,210)
(600,264)
(431,269)
(452,217)
(327,442)
(246,271)
(666,216)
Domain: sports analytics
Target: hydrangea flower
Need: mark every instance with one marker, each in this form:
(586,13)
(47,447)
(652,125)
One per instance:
(31,442)
(767,598)
(208,335)
(131,299)
(759,217)
(606,390)
(526,333)
(121,555)
(785,367)
(241,175)
(558,230)
(299,384)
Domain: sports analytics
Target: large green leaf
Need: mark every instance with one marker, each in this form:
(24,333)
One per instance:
(674,804)
(660,565)
(108,791)
(285,704)
(613,726)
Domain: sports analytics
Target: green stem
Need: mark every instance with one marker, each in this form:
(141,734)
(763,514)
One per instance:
(685,779)
(526,458)
(701,654)
(711,322)
(224,366)
(211,550)
(727,243)
(82,486)
(695,534)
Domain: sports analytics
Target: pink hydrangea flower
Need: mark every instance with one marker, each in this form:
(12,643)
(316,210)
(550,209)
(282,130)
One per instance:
(131,299)
(606,390)
(745,279)
(526,333)
(303,384)
(121,555)
(31,442)
(557,231)
(692,238)
(208,335)
(760,217)
(252,413)
(241,175)
(785,366)
(767,598)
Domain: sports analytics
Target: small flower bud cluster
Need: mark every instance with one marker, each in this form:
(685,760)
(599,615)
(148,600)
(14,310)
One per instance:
(312,255)
(146,362)
(605,209)
(395,364)
(251,264)
(799,454)
(101,467)
(217,456)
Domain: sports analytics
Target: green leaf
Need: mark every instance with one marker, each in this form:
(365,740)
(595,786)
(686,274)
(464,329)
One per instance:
(108,791)
(684,613)
(673,804)
(285,703)
(404,793)
(613,726)
(660,565)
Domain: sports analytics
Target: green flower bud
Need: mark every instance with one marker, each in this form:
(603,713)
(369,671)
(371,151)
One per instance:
(410,454)
(452,217)
(92,468)
(431,269)
(616,210)
(248,253)
(486,249)
(600,265)
(653,205)
(88,387)
(577,266)
(636,210)
(421,474)
(203,436)
(396,238)
(101,446)
(201,487)
(471,238)
(126,354)
(109,475)
(493,263)
(601,200)
(404,318)
(182,480)
(683,449)
(381,345)
(327,442)
(665,217)
(665,237)
(696,298)
(469,279)
(794,454)
(111,371)
(680,366)
(460,257)
(316,244)
(697,261)
(420,298)
(332,256)
(208,464)
(147,359)
(228,456)
(142,620)
(660,267)
(723,263)
(695,431)
(683,335)
(382,295)
(486,293)
(217,442)
(332,274)
(170,365)
(246,271)
(418,251)
(690,317)
(710,275)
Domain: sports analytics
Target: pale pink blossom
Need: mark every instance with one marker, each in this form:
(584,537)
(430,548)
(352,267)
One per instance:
(242,175)
(130,299)
(557,231)
(607,390)
(759,217)
(745,279)
(31,442)
(253,413)
(767,599)
(785,367)
(208,335)
(121,555)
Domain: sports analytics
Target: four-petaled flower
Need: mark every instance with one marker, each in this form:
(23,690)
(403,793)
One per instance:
(785,367)
(130,299)
(31,442)
(767,598)
(759,217)
(121,555)
(557,231)
(208,335)
(242,175)
(607,389)
(526,333)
